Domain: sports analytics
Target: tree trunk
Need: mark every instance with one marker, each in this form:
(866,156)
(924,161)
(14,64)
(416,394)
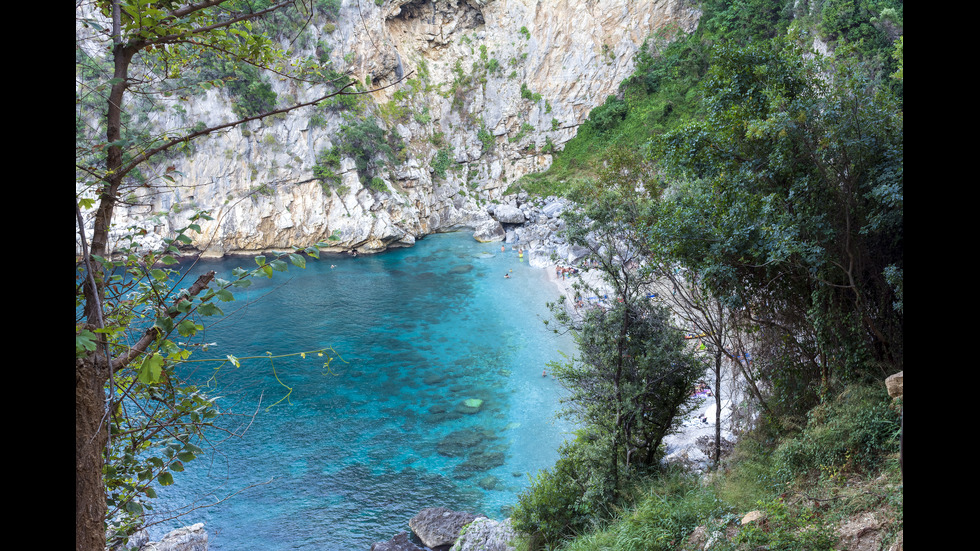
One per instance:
(90,441)
(92,372)
(717,407)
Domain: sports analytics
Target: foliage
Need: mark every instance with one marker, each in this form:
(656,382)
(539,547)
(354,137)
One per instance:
(785,527)
(486,138)
(798,193)
(854,433)
(136,421)
(745,21)
(666,510)
(441,161)
(560,502)
(659,97)
(362,140)
(158,421)
(527,94)
(632,375)
(783,200)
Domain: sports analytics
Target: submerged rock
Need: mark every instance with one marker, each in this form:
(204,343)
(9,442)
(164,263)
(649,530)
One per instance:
(461,442)
(471,405)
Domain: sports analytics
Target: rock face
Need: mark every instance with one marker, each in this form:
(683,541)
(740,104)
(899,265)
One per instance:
(438,528)
(491,88)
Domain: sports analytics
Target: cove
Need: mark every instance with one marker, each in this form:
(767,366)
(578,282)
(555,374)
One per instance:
(434,396)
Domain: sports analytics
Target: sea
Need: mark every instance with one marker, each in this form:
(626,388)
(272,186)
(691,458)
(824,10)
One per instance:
(369,388)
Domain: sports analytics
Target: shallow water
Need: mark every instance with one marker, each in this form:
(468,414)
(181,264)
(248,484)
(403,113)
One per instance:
(361,446)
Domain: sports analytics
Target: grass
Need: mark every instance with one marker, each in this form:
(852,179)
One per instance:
(819,483)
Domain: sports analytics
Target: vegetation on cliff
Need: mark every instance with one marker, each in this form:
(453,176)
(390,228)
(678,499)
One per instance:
(771,177)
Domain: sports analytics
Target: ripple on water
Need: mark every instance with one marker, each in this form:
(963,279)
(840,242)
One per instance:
(438,400)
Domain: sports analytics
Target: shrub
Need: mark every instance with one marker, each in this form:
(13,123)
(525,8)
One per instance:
(668,509)
(441,161)
(552,508)
(787,529)
(486,138)
(852,433)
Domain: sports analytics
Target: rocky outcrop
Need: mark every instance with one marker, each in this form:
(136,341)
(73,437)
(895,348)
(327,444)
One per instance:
(188,538)
(398,543)
(490,89)
(438,528)
(484,534)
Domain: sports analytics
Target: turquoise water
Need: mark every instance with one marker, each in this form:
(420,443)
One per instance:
(360,447)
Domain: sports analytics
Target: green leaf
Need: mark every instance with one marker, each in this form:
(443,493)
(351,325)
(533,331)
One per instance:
(298,260)
(209,309)
(188,328)
(165,479)
(84,342)
(151,369)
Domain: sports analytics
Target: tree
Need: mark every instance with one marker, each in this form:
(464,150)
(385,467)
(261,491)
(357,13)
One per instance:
(720,330)
(128,304)
(634,373)
(797,172)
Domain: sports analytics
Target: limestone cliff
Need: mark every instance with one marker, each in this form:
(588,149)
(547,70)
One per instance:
(494,86)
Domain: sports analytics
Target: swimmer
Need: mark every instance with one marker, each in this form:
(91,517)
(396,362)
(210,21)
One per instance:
(544,372)
(501,248)
(507,276)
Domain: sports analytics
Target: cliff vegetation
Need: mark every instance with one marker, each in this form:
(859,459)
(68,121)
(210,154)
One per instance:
(752,173)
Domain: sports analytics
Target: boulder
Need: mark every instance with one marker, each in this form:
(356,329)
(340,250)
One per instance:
(398,543)
(188,538)
(438,528)
(894,384)
(553,209)
(489,231)
(484,534)
(509,214)
(752,516)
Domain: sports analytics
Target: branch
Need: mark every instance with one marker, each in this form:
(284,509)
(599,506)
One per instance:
(153,332)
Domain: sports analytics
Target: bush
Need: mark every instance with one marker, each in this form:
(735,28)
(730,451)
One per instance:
(441,161)
(365,142)
(787,528)
(853,433)
(671,506)
(552,509)
(572,498)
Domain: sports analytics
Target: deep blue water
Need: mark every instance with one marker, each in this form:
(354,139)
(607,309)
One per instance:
(358,449)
